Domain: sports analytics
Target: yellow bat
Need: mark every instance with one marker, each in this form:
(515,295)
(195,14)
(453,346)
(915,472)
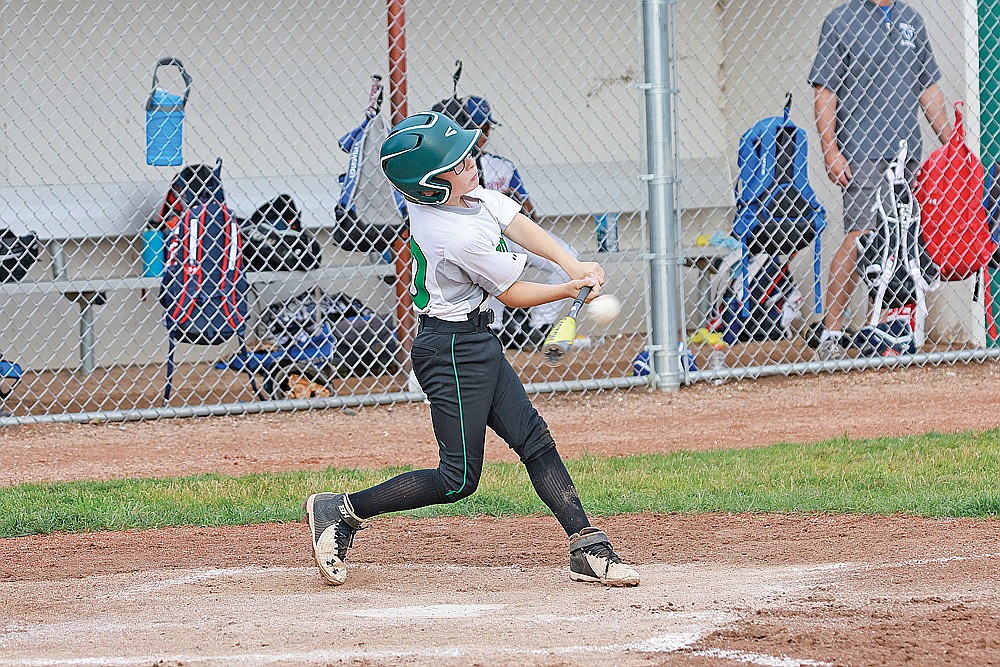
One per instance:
(562,335)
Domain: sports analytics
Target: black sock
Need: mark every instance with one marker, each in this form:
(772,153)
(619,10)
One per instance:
(410,490)
(555,487)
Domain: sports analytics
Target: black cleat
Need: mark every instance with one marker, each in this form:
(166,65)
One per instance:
(333,524)
(592,559)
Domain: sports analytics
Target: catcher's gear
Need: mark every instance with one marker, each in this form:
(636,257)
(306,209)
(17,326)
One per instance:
(333,524)
(419,149)
(592,559)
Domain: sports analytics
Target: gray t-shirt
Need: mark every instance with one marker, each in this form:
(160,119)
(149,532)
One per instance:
(878,70)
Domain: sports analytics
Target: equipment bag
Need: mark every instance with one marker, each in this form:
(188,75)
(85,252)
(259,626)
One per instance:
(777,212)
(950,190)
(276,241)
(17,255)
(774,304)
(363,342)
(892,259)
(203,290)
(10,376)
(370,214)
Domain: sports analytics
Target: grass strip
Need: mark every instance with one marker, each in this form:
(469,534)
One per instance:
(934,475)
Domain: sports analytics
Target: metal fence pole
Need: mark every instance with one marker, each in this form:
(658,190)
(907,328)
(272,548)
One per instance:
(664,263)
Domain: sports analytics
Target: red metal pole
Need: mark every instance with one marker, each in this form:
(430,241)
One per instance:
(396,16)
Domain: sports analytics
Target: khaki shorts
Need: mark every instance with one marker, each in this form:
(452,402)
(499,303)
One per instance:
(859,195)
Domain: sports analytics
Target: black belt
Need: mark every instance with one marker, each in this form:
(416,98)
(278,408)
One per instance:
(476,321)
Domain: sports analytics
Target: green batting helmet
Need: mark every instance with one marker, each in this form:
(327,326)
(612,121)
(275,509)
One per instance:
(421,147)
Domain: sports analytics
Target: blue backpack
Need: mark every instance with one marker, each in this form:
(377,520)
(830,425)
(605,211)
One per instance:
(204,290)
(777,212)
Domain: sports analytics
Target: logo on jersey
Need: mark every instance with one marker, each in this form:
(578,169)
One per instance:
(907,35)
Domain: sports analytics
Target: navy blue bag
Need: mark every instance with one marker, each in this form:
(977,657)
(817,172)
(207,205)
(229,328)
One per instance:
(204,290)
(777,212)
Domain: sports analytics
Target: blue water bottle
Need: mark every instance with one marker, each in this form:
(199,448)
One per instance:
(153,253)
(165,119)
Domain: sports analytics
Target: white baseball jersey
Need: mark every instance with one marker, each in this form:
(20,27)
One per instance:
(459,255)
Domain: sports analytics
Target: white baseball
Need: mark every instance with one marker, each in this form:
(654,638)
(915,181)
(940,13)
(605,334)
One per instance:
(604,309)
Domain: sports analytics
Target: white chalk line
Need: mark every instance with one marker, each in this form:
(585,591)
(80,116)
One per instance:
(197,577)
(757,658)
(666,643)
(917,562)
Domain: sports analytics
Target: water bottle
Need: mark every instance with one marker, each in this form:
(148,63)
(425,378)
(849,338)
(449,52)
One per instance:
(717,362)
(606,230)
(165,119)
(153,253)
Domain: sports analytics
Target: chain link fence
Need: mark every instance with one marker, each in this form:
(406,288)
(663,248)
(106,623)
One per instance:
(275,89)
(283,92)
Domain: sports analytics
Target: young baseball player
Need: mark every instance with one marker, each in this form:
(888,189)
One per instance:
(457,231)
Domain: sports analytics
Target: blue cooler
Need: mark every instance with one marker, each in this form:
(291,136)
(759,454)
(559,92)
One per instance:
(165,119)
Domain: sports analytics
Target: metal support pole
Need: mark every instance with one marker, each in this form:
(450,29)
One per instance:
(664,266)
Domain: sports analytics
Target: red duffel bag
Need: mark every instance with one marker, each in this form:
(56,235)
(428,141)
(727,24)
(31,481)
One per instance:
(949,189)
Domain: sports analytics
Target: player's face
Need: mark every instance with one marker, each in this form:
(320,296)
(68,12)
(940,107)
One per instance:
(464,178)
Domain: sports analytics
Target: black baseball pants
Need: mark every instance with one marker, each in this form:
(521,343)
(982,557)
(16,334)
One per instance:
(471,386)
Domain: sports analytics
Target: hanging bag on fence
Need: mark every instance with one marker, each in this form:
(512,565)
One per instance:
(777,212)
(204,289)
(454,106)
(17,255)
(950,191)
(774,303)
(370,213)
(165,119)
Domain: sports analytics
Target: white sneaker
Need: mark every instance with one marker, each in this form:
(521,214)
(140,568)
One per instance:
(830,350)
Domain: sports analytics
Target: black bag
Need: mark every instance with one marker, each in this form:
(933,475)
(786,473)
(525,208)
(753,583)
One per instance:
(365,341)
(275,240)
(17,254)
(353,234)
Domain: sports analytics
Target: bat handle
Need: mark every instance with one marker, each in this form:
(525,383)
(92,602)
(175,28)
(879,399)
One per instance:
(578,301)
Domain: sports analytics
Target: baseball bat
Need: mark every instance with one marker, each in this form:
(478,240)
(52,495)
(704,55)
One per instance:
(562,335)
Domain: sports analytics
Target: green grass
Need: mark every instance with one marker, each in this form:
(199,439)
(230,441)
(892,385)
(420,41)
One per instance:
(929,475)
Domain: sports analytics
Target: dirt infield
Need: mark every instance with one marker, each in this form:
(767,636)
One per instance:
(717,589)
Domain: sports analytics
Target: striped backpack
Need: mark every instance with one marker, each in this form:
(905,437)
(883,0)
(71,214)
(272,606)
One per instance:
(204,290)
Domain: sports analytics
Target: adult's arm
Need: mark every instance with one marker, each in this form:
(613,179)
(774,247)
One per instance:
(837,168)
(936,112)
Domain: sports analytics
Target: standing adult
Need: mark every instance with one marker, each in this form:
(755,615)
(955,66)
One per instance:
(873,72)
